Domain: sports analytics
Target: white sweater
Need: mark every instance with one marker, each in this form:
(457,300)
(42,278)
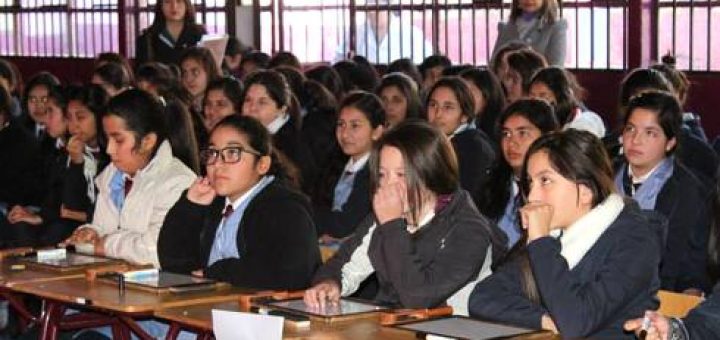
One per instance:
(132,232)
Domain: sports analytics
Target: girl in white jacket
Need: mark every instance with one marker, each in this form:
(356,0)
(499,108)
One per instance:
(141,184)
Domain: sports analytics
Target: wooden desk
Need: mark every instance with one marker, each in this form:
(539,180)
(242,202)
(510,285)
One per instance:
(104,297)
(198,318)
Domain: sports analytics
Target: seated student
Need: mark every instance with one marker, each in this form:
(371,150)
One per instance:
(520,66)
(651,176)
(590,259)
(141,184)
(112,77)
(406,67)
(424,238)
(400,97)
(328,77)
(51,223)
(431,70)
(241,223)
(488,97)
(34,100)
(198,70)
(253,61)
(268,99)
(318,128)
(521,124)
(222,98)
(342,198)
(450,107)
(20,174)
(11,80)
(559,87)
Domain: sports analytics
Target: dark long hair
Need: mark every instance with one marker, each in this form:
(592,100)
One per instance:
(461,92)
(493,94)
(492,199)
(714,240)
(408,88)
(564,87)
(666,107)
(95,99)
(142,114)
(159,22)
(548,13)
(578,156)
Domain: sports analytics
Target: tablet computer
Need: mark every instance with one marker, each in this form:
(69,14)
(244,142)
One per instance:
(165,280)
(72,261)
(460,327)
(345,307)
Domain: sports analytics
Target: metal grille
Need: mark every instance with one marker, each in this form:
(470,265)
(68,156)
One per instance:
(689,30)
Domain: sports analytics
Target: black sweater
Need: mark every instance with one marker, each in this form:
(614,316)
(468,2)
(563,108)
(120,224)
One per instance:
(475,156)
(149,46)
(340,224)
(276,241)
(424,269)
(615,281)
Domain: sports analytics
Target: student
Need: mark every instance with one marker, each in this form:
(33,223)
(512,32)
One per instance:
(652,177)
(450,108)
(198,70)
(537,24)
(400,97)
(115,58)
(241,223)
(424,238)
(21,173)
(112,77)
(328,77)
(233,57)
(141,184)
(432,69)
(34,101)
(268,99)
(86,149)
(589,259)
(356,75)
(222,98)
(52,222)
(488,97)
(319,123)
(11,79)
(406,67)
(559,87)
(284,58)
(342,198)
(254,61)
(521,66)
(173,29)
(523,122)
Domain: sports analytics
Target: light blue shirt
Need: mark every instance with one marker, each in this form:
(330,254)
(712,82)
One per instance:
(508,223)
(344,186)
(225,242)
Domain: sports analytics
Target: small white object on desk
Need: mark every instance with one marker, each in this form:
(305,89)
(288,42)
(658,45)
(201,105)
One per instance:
(229,325)
(52,254)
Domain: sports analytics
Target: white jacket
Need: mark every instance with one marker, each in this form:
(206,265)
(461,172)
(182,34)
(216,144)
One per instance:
(132,232)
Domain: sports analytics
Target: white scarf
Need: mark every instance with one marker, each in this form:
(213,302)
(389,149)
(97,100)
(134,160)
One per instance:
(577,239)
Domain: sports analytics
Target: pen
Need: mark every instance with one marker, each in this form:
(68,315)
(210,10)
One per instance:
(644,327)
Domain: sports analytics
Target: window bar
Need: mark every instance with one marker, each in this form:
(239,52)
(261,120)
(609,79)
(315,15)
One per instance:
(674,37)
(412,33)
(322,31)
(608,33)
(708,66)
(624,33)
(474,32)
(691,53)
(445,29)
(488,53)
(459,23)
(577,37)
(281,24)
(592,33)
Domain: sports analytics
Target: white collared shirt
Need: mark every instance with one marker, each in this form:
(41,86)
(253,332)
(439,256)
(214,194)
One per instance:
(278,123)
(357,165)
(641,179)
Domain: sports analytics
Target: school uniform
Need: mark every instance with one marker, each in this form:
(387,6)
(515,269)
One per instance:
(475,157)
(22,170)
(351,201)
(673,191)
(161,47)
(546,39)
(589,121)
(80,193)
(130,223)
(590,278)
(424,267)
(268,242)
(288,140)
(703,322)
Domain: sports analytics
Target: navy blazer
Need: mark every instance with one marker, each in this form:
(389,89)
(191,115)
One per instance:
(276,240)
(615,281)
(476,157)
(340,224)
(703,322)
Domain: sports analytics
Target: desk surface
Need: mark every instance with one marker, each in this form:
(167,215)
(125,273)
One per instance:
(199,317)
(106,296)
(10,277)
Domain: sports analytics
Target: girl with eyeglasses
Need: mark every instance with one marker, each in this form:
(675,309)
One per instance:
(241,223)
(139,186)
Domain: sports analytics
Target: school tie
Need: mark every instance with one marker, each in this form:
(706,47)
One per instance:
(128,185)
(228,211)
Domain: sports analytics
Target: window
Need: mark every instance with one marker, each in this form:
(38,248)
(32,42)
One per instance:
(685,29)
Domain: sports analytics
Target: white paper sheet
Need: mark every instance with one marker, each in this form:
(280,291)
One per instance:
(246,326)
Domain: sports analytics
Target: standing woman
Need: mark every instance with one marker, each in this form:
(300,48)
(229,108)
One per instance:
(424,238)
(657,181)
(342,199)
(488,96)
(536,23)
(559,87)
(268,98)
(141,184)
(450,107)
(173,30)
(400,97)
(520,125)
(589,259)
(242,224)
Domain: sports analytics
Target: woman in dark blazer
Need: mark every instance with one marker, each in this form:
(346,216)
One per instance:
(241,224)
(450,107)
(590,258)
(657,181)
(172,31)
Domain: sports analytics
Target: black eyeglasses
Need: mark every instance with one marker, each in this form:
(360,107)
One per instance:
(229,155)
